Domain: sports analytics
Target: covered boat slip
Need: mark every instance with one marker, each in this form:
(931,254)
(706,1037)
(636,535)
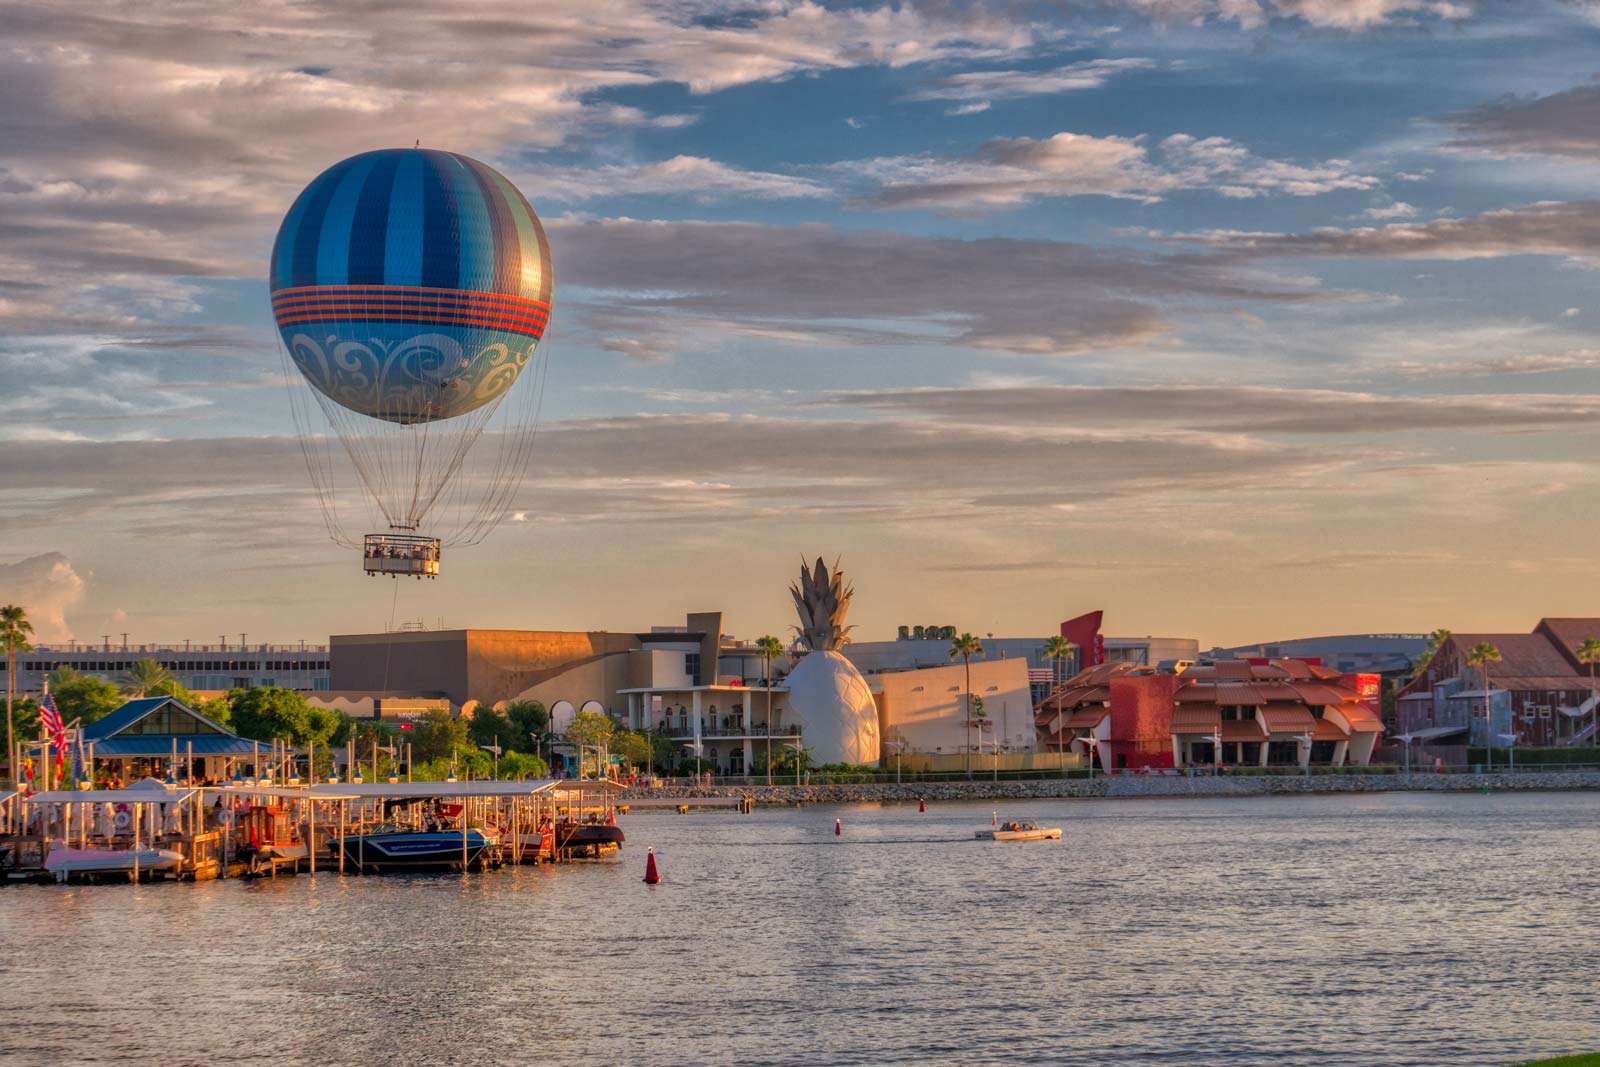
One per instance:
(134,832)
(242,827)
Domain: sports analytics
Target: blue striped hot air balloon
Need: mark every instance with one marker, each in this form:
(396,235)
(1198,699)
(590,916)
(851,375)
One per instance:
(411,285)
(411,288)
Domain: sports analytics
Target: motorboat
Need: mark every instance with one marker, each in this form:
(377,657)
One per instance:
(1020,830)
(63,862)
(589,838)
(393,848)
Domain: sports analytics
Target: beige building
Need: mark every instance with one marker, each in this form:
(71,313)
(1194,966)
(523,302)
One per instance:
(924,711)
(554,667)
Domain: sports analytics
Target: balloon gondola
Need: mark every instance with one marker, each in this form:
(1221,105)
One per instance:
(411,288)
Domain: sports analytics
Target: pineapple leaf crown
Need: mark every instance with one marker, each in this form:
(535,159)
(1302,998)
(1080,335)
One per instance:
(822,598)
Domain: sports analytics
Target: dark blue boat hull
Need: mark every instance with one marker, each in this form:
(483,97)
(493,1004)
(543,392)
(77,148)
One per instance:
(419,851)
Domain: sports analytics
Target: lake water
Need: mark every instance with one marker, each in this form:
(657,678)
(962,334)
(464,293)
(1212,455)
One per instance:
(1339,930)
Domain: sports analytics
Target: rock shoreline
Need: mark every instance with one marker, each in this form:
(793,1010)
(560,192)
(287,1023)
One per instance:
(1127,786)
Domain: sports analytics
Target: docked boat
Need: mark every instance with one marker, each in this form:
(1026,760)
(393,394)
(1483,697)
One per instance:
(393,848)
(64,862)
(588,838)
(1020,830)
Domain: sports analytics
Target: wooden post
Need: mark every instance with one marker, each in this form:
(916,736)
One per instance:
(311,833)
(344,813)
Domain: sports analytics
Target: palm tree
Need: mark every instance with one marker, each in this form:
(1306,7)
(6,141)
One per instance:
(1481,655)
(144,677)
(1057,649)
(966,646)
(769,647)
(14,631)
(62,675)
(1435,641)
(1589,652)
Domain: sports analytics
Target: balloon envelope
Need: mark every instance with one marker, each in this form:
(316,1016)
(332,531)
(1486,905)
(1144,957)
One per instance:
(411,285)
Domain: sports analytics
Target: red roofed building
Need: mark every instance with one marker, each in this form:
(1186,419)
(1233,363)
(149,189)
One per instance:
(1278,712)
(1537,691)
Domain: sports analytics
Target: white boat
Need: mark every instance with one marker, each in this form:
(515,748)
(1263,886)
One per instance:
(1020,830)
(65,861)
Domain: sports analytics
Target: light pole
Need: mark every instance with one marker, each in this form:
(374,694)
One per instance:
(1511,750)
(1216,755)
(798,748)
(1306,738)
(1092,743)
(1406,739)
(899,747)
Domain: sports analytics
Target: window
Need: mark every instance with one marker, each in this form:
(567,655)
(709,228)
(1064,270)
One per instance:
(691,665)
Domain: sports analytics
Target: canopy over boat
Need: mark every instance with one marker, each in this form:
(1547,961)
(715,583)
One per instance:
(277,792)
(428,790)
(133,795)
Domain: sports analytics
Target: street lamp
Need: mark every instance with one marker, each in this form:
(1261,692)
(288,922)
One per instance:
(1406,739)
(1092,743)
(1306,738)
(798,747)
(1216,760)
(899,747)
(1511,749)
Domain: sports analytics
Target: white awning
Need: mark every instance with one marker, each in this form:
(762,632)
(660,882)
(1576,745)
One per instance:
(481,788)
(1433,733)
(111,796)
(280,792)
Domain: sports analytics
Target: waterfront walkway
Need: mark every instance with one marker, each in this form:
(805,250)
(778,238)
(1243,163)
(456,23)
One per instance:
(1127,786)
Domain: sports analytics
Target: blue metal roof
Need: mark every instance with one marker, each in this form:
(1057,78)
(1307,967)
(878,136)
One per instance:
(160,745)
(134,710)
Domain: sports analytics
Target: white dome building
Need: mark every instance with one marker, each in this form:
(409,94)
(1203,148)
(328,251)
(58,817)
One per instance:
(838,717)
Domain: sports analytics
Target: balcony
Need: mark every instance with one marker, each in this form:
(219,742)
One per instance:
(680,730)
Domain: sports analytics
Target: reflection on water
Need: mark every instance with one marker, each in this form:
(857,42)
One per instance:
(1361,930)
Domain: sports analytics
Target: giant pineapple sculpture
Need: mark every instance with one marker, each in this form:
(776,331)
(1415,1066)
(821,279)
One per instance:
(838,717)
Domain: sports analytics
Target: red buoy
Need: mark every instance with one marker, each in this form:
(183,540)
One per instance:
(837,829)
(651,877)
(995,819)
(920,805)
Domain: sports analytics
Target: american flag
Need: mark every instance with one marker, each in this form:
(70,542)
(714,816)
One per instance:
(50,718)
(54,728)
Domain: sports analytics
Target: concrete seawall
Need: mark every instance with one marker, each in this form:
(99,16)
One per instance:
(1133,786)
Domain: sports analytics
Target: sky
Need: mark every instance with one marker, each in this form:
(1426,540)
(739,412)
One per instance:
(1239,319)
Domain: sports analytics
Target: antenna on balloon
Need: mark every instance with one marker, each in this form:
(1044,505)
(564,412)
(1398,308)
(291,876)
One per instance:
(418,144)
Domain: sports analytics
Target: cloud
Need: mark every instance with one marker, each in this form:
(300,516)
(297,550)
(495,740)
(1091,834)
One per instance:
(819,284)
(1229,409)
(985,86)
(1547,228)
(1348,15)
(47,587)
(681,175)
(148,147)
(1009,172)
(1397,210)
(1560,124)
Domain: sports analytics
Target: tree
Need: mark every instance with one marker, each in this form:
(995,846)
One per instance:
(1057,649)
(530,723)
(490,727)
(438,735)
(61,676)
(14,631)
(217,709)
(144,676)
(267,713)
(966,646)
(1481,655)
(1589,653)
(769,647)
(87,699)
(589,729)
(634,747)
(515,766)
(1436,641)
